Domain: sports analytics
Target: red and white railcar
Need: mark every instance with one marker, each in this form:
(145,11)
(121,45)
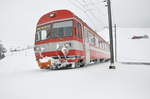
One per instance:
(64,40)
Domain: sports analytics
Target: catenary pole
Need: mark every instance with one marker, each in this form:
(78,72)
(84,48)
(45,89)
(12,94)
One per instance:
(115,42)
(112,66)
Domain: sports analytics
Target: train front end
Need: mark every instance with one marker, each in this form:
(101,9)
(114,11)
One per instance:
(55,44)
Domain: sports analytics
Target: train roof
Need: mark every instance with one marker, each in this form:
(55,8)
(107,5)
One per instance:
(56,15)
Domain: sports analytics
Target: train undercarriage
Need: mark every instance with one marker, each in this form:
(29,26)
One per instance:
(56,64)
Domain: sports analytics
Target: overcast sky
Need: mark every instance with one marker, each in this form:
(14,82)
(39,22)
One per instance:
(18,18)
(131,13)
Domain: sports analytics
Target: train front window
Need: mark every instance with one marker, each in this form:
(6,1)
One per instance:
(62,29)
(43,33)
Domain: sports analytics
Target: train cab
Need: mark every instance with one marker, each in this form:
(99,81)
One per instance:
(56,31)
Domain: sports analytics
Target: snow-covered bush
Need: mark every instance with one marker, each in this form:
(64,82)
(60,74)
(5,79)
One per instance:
(2,51)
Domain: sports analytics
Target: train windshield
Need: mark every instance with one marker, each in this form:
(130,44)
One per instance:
(54,30)
(43,33)
(62,29)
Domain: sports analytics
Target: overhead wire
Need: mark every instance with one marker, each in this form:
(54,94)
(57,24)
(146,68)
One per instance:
(83,10)
(88,10)
(91,11)
(100,14)
(84,7)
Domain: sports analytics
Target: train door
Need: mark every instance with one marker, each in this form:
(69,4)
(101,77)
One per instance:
(86,46)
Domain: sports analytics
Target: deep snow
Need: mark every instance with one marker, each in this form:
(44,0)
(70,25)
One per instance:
(20,78)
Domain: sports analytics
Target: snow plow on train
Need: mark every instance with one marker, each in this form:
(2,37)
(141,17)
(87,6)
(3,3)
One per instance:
(63,40)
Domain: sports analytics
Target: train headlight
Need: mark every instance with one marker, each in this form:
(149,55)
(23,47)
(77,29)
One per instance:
(36,48)
(65,50)
(57,47)
(42,49)
(52,15)
(39,49)
(68,44)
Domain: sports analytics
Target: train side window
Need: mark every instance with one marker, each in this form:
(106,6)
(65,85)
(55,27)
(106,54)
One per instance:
(79,30)
(91,38)
(99,43)
(96,41)
(86,35)
(104,45)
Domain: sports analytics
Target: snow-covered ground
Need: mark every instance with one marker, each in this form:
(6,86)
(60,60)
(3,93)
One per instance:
(20,78)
